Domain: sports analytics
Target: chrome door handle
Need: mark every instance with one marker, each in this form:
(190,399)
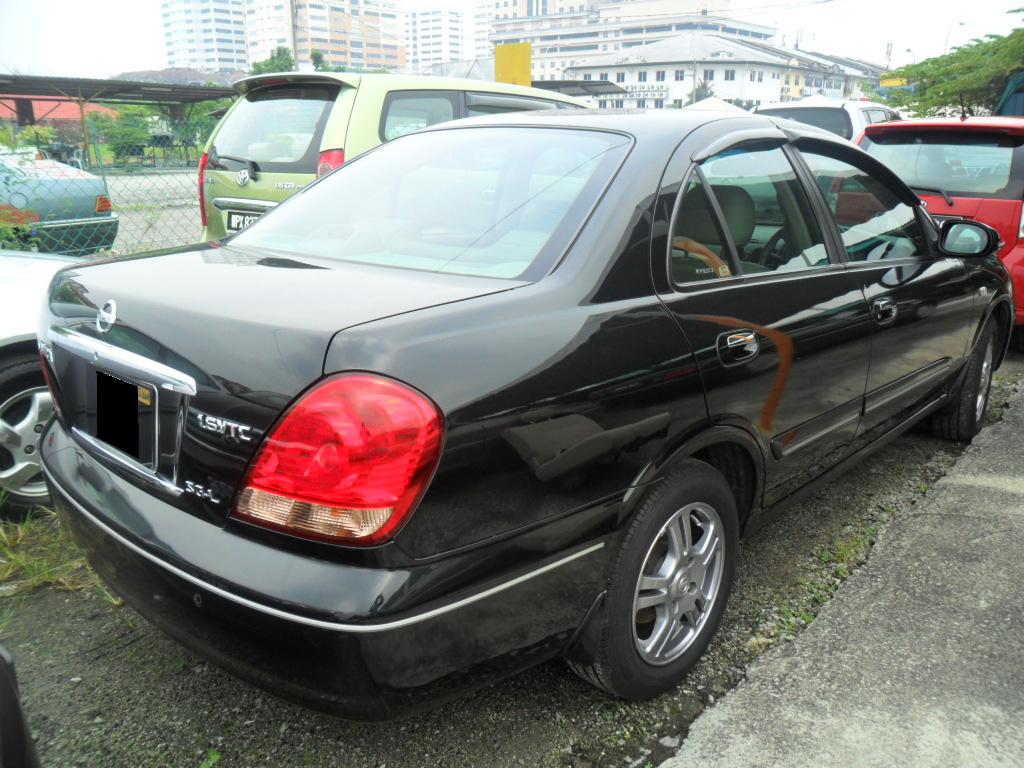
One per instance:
(738,346)
(884,310)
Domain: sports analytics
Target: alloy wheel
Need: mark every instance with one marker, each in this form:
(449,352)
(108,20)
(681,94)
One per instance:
(678,583)
(22,419)
(986,383)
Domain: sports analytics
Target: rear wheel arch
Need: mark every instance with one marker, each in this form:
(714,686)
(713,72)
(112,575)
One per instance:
(1000,314)
(735,453)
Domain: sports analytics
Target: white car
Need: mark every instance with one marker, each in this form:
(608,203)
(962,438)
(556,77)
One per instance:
(845,118)
(24,399)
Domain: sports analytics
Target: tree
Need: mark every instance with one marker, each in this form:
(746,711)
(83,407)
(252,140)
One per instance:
(280,61)
(317,57)
(7,137)
(703,90)
(38,136)
(127,133)
(971,77)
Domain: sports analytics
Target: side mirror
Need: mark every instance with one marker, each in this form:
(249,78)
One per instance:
(958,237)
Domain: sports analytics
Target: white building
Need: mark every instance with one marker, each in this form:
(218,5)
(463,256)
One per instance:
(208,35)
(572,31)
(478,32)
(741,71)
(435,36)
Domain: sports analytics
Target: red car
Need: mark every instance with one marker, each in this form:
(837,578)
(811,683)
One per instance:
(971,168)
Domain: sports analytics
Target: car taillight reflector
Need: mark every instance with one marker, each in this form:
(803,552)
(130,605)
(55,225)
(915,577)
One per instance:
(202,186)
(329,160)
(103,204)
(347,463)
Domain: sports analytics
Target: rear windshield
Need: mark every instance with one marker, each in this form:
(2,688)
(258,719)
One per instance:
(968,164)
(496,202)
(833,119)
(279,128)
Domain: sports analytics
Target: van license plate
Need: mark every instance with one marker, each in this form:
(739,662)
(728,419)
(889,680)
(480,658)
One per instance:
(237,221)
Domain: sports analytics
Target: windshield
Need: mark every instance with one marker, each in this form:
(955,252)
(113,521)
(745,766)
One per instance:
(832,119)
(279,128)
(967,164)
(472,201)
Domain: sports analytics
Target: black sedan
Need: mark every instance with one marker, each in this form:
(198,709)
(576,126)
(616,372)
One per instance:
(501,391)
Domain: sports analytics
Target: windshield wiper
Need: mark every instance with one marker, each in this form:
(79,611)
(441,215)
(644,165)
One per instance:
(254,170)
(944,193)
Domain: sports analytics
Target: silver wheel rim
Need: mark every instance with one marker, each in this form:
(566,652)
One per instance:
(678,584)
(986,382)
(22,418)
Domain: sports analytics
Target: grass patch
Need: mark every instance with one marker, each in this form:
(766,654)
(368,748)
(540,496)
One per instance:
(38,551)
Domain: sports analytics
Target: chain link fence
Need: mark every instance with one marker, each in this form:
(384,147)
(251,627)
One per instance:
(134,190)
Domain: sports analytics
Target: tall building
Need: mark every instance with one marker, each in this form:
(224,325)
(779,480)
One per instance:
(562,33)
(436,36)
(207,35)
(478,32)
(363,34)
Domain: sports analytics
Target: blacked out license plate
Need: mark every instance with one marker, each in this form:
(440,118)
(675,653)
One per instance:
(237,221)
(125,416)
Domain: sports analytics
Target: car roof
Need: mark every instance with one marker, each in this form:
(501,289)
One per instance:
(668,125)
(822,101)
(403,82)
(1014,125)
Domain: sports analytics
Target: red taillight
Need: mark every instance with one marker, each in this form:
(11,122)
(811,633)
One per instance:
(103,204)
(202,186)
(347,463)
(329,160)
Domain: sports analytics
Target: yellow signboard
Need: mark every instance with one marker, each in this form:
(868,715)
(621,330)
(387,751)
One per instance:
(892,82)
(512,63)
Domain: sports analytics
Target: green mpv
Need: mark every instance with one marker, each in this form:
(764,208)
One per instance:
(290,128)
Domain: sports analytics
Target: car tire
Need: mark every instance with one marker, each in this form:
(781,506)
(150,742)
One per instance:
(648,635)
(964,417)
(25,406)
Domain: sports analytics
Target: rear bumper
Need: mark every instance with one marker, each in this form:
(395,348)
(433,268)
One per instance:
(302,627)
(77,237)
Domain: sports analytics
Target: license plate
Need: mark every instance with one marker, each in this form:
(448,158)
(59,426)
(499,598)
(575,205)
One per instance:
(125,416)
(237,221)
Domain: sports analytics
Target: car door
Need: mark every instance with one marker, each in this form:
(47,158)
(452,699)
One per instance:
(780,329)
(921,301)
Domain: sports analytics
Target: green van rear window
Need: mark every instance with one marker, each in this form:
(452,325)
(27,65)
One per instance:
(279,128)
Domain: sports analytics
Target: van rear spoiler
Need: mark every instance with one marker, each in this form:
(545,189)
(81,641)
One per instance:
(247,84)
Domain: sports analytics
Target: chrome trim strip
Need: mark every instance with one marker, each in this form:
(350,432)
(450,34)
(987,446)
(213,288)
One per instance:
(144,473)
(319,623)
(121,361)
(88,220)
(243,204)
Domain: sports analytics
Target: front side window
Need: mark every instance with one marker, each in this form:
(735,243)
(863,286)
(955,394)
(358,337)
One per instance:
(766,213)
(405,112)
(873,222)
(490,202)
(964,163)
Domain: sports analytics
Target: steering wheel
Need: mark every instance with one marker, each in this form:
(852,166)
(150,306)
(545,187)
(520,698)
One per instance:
(768,256)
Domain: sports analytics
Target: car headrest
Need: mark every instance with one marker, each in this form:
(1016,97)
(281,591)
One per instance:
(697,222)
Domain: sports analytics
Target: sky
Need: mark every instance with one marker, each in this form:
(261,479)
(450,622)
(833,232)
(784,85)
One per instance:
(104,37)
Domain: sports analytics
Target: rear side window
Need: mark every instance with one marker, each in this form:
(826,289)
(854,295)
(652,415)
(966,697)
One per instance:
(494,202)
(873,222)
(964,163)
(279,128)
(832,119)
(408,111)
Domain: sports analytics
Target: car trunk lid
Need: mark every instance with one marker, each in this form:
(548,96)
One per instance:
(204,348)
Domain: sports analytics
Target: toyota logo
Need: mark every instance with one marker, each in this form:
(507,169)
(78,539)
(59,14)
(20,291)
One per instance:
(106,317)
(242,178)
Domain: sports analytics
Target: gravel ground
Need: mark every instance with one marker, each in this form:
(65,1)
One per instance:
(102,688)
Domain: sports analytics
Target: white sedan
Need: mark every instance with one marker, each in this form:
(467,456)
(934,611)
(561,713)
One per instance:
(24,399)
